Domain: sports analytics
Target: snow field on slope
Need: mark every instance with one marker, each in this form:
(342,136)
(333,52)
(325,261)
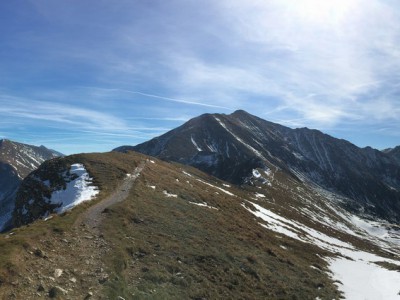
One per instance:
(77,190)
(376,229)
(360,278)
(378,232)
(296,230)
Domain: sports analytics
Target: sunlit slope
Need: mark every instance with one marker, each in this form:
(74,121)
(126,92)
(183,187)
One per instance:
(175,232)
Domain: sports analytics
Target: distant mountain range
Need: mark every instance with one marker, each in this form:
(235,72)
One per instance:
(17,160)
(394,153)
(230,147)
(293,214)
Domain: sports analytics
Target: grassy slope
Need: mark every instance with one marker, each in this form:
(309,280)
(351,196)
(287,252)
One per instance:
(107,169)
(173,249)
(168,248)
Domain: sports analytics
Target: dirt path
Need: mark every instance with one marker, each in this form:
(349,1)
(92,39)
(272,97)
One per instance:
(72,264)
(93,217)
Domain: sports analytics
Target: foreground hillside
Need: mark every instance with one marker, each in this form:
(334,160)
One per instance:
(166,231)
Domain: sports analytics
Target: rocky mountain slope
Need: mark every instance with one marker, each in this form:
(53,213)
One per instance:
(394,153)
(159,230)
(16,162)
(230,147)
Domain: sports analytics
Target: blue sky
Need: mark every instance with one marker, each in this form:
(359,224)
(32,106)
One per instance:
(84,76)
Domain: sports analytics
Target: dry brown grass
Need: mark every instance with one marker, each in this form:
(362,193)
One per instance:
(168,248)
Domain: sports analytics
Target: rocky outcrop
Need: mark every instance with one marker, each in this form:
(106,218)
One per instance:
(32,200)
(57,186)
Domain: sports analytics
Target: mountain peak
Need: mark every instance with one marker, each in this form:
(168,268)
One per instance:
(240,112)
(231,146)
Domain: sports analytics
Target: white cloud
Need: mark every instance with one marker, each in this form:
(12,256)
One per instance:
(311,63)
(322,59)
(57,113)
(237,50)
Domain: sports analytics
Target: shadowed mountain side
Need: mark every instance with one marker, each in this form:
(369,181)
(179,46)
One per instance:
(231,146)
(16,162)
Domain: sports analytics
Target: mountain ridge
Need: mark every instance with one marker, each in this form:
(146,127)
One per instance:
(127,225)
(394,152)
(17,160)
(231,146)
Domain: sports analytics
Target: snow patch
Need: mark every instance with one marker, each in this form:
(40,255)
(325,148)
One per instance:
(298,155)
(76,191)
(212,148)
(169,195)
(221,189)
(204,204)
(268,171)
(195,144)
(256,174)
(187,174)
(362,279)
(258,153)
(357,274)
(296,230)
(376,229)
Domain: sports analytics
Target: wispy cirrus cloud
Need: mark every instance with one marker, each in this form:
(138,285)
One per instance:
(158,97)
(57,113)
(321,59)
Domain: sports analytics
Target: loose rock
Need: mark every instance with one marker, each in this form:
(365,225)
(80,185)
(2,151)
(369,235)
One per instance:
(57,273)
